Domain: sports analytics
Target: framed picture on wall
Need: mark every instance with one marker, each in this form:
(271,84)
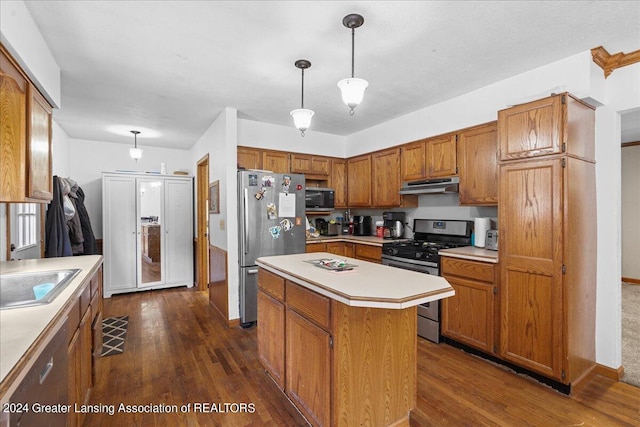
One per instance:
(214,197)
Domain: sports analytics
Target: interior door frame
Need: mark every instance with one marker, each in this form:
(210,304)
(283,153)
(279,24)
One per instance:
(202,220)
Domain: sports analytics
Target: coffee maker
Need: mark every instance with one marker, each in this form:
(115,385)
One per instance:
(393,224)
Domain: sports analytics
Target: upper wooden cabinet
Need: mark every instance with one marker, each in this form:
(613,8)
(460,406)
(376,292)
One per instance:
(276,161)
(249,158)
(478,165)
(386,177)
(25,138)
(338,181)
(441,156)
(314,167)
(429,158)
(551,125)
(359,181)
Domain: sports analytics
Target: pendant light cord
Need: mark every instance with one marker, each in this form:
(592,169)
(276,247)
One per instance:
(353,43)
(302,91)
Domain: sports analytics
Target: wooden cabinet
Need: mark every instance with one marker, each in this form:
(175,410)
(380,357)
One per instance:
(549,126)
(338,181)
(386,178)
(368,252)
(315,247)
(469,317)
(337,248)
(547,245)
(276,161)
(413,161)
(151,242)
(359,181)
(271,325)
(249,158)
(441,156)
(478,165)
(314,167)
(25,139)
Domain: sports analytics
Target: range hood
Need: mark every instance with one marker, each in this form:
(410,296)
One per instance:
(431,186)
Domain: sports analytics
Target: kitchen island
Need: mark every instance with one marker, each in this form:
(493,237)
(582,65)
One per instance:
(342,345)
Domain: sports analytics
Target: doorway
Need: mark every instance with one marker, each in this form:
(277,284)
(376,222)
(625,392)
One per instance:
(202,221)
(23,231)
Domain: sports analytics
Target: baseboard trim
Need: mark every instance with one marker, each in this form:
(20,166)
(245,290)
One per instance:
(233,323)
(607,372)
(631,281)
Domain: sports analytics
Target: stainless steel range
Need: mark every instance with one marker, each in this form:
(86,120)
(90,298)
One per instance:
(421,254)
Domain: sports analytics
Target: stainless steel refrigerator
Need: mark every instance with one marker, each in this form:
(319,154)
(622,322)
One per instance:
(271,221)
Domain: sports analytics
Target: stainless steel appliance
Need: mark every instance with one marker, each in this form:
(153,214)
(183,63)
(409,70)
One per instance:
(491,241)
(393,224)
(421,254)
(271,221)
(319,199)
(361,225)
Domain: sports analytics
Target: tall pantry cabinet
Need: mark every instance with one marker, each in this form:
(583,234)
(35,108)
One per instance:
(546,219)
(147,231)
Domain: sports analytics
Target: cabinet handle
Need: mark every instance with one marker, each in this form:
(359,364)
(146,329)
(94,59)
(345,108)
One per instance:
(246,221)
(45,372)
(252,271)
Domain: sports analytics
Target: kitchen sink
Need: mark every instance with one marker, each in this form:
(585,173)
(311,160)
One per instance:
(32,289)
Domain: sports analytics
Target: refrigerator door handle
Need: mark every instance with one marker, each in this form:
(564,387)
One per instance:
(246,221)
(255,271)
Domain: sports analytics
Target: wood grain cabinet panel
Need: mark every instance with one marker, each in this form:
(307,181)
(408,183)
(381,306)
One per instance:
(413,160)
(386,178)
(338,181)
(270,332)
(478,165)
(337,248)
(315,167)
(271,284)
(441,156)
(368,253)
(359,181)
(311,305)
(315,247)
(249,158)
(39,132)
(276,161)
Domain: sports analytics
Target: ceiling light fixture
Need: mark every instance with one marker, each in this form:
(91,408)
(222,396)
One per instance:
(302,116)
(352,89)
(135,152)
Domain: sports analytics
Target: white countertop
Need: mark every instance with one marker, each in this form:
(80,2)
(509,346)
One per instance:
(20,327)
(472,253)
(367,285)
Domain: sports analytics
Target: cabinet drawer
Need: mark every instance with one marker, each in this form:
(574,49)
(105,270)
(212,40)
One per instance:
(312,305)
(369,252)
(74,319)
(271,284)
(482,271)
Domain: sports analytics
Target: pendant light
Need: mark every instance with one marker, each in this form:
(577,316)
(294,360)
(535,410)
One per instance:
(135,152)
(302,116)
(352,89)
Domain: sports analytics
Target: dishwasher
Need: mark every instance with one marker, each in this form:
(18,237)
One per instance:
(45,385)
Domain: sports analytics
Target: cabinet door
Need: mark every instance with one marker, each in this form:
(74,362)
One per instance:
(308,368)
(386,178)
(39,147)
(320,166)
(531,288)
(468,317)
(478,165)
(531,129)
(315,247)
(271,336)
(338,182)
(359,181)
(74,386)
(276,161)
(120,233)
(336,248)
(413,160)
(85,341)
(441,156)
(13,115)
(368,253)
(249,158)
(178,229)
(301,163)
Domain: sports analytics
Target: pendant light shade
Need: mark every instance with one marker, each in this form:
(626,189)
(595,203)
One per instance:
(352,88)
(302,116)
(135,152)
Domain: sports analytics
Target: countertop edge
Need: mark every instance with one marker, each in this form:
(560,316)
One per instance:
(492,260)
(16,374)
(387,303)
(363,240)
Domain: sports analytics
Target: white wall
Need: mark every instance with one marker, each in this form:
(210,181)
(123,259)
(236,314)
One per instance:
(61,151)
(19,33)
(631,212)
(88,159)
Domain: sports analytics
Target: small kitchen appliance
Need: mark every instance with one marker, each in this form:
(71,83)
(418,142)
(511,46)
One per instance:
(421,254)
(393,224)
(491,241)
(361,225)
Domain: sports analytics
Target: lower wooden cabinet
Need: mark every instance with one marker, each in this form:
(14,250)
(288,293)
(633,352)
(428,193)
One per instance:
(315,247)
(469,317)
(271,336)
(368,253)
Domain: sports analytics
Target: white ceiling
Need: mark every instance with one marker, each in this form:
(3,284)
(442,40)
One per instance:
(170,67)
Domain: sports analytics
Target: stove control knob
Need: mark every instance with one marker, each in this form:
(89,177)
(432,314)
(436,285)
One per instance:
(393,251)
(418,254)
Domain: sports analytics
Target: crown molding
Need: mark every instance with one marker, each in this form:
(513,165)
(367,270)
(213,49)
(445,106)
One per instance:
(609,62)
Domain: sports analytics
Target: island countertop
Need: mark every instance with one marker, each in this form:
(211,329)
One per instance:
(367,285)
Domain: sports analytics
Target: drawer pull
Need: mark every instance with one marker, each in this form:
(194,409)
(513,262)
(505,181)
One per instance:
(45,372)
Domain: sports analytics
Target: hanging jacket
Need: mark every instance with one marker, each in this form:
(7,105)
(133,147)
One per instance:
(57,243)
(89,239)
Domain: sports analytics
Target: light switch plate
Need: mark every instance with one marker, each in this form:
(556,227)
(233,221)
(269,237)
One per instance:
(222,224)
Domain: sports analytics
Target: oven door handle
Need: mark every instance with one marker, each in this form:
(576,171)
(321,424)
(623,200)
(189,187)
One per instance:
(407,266)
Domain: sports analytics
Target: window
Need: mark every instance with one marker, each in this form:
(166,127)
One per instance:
(26,224)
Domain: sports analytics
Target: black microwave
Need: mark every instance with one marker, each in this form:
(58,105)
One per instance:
(319,199)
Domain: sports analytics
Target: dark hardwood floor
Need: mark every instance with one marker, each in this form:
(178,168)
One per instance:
(179,352)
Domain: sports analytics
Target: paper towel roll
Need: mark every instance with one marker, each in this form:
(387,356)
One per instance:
(481,225)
